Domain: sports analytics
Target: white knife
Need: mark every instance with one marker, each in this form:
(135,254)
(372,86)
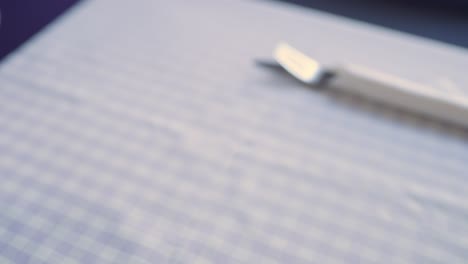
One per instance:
(375,85)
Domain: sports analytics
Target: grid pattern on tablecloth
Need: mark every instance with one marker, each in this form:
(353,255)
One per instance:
(116,154)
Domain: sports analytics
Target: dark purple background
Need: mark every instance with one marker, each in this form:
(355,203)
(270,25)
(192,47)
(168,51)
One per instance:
(441,20)
(23,18)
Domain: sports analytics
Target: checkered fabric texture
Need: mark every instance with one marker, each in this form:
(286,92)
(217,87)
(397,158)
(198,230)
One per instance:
(143,132)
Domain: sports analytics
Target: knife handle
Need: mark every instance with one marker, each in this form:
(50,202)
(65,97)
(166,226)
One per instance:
(401,93)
